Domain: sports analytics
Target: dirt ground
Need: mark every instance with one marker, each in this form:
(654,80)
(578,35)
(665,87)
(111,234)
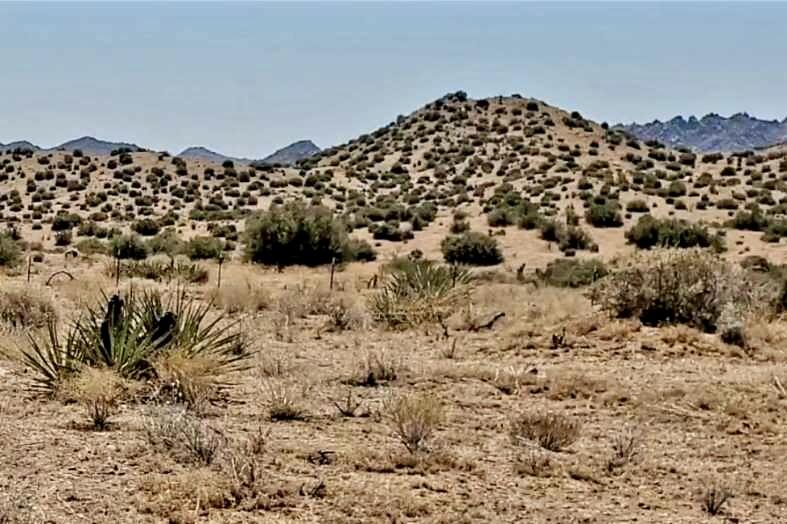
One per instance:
(693,412)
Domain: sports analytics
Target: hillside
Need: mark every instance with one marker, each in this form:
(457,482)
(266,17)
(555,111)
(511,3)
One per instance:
(713,132)
(291,154)
(481,158)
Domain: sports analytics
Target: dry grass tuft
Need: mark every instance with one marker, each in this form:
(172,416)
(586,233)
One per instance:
(241,296)
(99,390)
(414,419)
(714,496)
(534,463)
(551,431)
(25,306)
(625,449)
(191,380)
(183,435)
(375,370)
(286,401)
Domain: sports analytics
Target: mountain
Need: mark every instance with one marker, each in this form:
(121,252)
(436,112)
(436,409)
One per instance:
(19,144)
(291,154)
(740,132)
(206,155)
(94,146)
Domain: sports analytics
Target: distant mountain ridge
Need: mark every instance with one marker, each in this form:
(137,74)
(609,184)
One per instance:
(288,155)
(739,132)
(89,145)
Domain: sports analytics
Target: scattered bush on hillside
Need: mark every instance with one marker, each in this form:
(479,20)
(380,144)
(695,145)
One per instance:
(203,248)
(472,248)
(128,247)
(687,286)
(650,232)
(605,214)
(296,234)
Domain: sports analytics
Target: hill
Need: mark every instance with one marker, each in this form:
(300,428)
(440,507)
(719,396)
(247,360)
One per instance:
(93,146)
(291,154)
(740,132)
(206,155)
(504,165)
(20,144)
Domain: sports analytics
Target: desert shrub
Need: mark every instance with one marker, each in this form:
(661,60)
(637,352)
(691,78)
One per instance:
(754,220)
(63,238)
(25,306)
(10,253)
(186,437)
(167,242)
(146,227)
(551,431)
(203,248)
(575,238)
(573,272)
(471,248)
(419,291)
(128,247)
(92,246)
(296,234)
(651,232)
(99,390)
(637,206)
(129,334)
(604,215)
(414,420)
(687,286)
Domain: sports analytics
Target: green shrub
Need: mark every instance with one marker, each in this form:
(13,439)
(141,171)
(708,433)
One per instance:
(203,248)
(296,234)
(10,253)
(753,220)
(146,227)
(129,247)
(637,206)
(572,272)
(471,248)
(604,215)
(167,242)
(688,286)
(651,232)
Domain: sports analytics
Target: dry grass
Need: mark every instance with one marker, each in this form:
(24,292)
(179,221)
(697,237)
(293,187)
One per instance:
(551,431)
(714,496)
(99,390)
(285,401)
(414,419)
(24,306)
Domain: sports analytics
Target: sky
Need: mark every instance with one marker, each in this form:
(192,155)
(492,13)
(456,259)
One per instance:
(247,78)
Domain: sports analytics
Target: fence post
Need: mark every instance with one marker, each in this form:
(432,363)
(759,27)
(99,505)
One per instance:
(117,269)
(29,266)
(221,262)
(333,270)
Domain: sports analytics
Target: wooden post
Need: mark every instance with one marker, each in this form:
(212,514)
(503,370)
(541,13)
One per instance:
(333,270)
(117,269)
(29,266)
(221,261)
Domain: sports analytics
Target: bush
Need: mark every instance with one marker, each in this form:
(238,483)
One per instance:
(146,227)
(651,232)
(10,253)
(571,272)
(637,206)
(297,234)
(688,286)
(604,215)
(471,248)
(129,247)
(203,247)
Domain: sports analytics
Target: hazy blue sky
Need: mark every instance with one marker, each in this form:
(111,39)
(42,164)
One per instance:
(246,78)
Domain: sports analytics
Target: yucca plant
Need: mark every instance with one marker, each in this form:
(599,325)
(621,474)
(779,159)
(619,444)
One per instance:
(420,291)
(128,335)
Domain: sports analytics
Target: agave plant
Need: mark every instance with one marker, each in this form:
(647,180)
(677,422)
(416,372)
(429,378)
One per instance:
(420,291)
(128,334)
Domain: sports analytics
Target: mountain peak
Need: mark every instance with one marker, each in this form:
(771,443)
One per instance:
(713,132)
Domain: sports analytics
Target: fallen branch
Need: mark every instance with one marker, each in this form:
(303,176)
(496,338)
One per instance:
(487,325)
